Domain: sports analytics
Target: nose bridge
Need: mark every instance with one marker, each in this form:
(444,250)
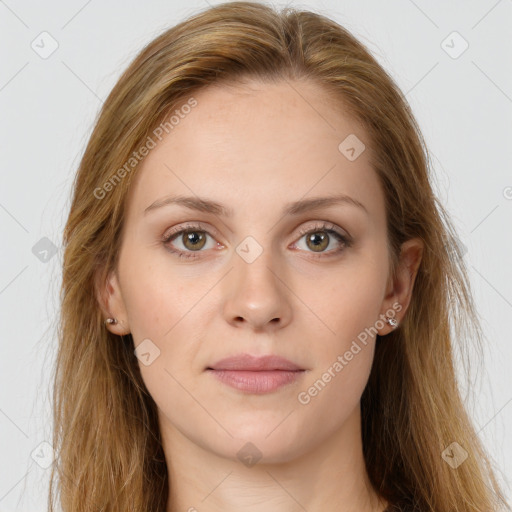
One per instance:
(255,268)
(256,292)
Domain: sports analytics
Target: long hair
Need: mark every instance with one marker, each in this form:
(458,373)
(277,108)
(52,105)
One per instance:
(106,432)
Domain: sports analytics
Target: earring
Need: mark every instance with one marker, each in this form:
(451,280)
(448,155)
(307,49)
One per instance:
(392,322)
(112,321)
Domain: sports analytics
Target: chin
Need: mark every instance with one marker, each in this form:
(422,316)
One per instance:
(270,440)
(261,450)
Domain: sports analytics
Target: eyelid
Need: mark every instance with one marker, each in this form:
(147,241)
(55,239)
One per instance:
(199,226)
(318,224)
(327,226)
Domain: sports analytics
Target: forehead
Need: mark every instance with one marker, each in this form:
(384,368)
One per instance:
(259,145)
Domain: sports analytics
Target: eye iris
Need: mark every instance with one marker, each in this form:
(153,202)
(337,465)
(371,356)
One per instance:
(315,237)
(194,237)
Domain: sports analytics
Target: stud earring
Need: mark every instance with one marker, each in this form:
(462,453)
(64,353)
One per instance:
(392,322)
(112,321)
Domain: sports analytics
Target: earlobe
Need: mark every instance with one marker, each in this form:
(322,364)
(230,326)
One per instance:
(110,300)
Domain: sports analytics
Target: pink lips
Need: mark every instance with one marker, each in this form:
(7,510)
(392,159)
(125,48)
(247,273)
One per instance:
(256,374)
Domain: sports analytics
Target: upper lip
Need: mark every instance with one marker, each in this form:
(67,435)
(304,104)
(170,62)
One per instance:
(254,363)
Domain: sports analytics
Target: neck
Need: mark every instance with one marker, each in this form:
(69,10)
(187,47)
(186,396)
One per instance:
(330,477)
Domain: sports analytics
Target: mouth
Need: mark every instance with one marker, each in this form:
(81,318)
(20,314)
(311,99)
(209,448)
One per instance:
(256,375)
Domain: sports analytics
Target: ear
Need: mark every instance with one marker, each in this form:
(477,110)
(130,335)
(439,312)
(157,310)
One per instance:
(399,292)
(110,300)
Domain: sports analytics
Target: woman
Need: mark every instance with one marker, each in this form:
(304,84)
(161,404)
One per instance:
(259,287)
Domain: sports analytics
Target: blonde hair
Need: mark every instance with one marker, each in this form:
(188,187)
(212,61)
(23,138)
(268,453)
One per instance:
(105,422)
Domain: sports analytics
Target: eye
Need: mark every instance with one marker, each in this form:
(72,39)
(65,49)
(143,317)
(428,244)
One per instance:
(320,236)
(193,238)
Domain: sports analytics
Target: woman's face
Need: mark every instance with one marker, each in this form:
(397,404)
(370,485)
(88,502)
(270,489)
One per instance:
(249,279)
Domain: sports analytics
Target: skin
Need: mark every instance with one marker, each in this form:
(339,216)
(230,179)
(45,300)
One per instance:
(255,148)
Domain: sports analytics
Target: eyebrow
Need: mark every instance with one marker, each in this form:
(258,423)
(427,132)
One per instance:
(294,208)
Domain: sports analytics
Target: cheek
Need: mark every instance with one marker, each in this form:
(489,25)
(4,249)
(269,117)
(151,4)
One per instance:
(330,397)
(164,307)
(347,306)
(157,294)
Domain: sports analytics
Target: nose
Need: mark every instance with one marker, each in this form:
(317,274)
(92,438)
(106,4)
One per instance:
(257,295)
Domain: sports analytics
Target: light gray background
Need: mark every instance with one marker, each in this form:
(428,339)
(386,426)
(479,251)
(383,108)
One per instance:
(463,105)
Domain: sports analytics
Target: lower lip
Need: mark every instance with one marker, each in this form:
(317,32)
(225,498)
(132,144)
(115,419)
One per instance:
(257,382)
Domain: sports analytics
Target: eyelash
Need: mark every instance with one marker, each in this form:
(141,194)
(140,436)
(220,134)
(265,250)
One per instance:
(324,226)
